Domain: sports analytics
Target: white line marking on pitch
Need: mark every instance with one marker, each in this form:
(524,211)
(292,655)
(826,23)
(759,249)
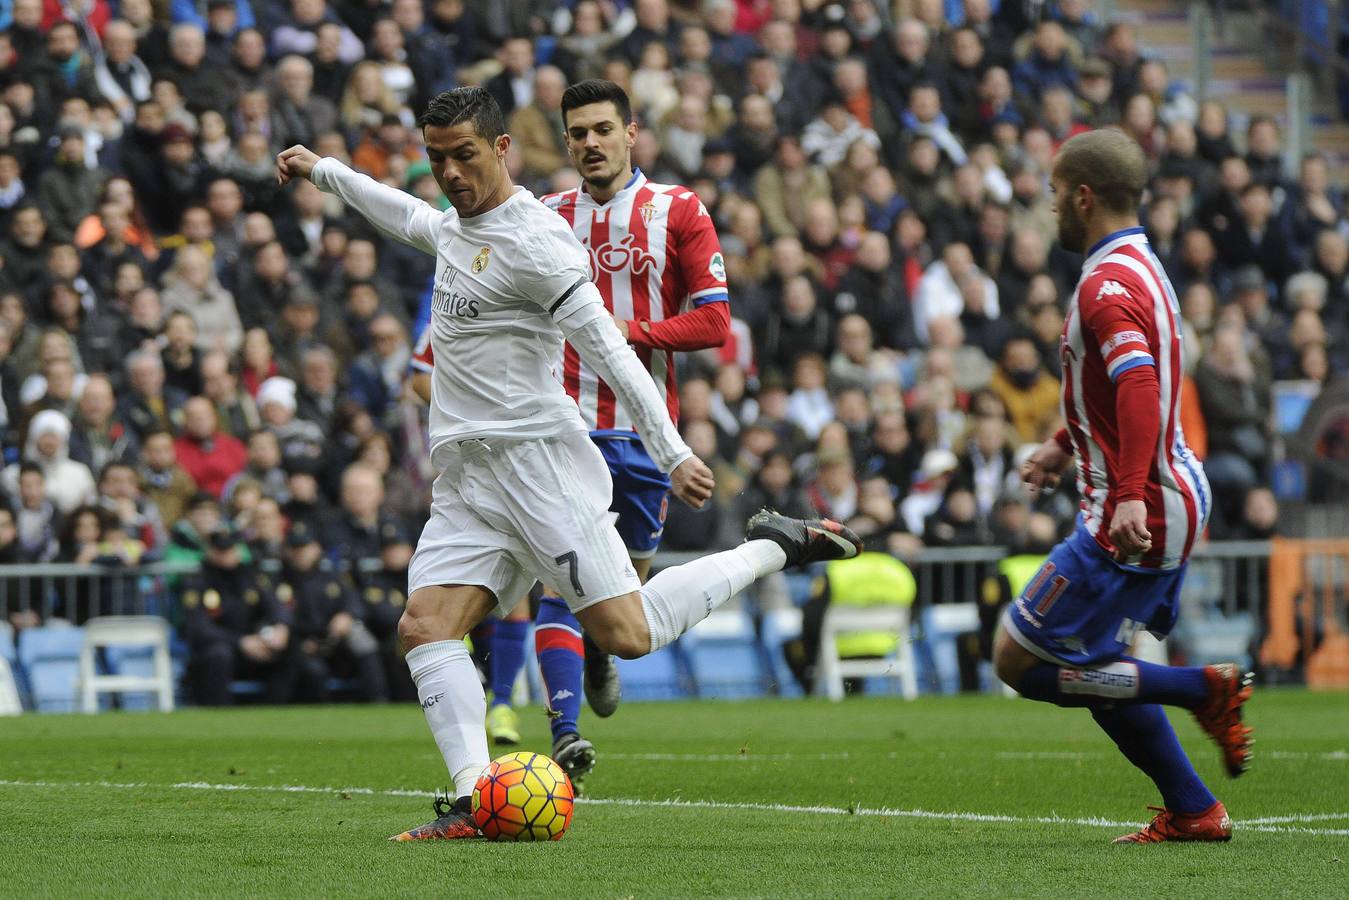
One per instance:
(1268,824)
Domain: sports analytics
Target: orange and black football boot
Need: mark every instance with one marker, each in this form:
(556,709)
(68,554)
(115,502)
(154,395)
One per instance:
(1213,824)
(1220,716)
(454,821)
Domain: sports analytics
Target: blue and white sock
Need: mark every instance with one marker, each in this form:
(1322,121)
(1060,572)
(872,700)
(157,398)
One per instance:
(506,659)
(557,641)
(1126,681)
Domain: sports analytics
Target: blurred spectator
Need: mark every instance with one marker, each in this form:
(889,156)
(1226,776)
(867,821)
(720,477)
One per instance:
(235,410)
(163,481)
(210,456)
(188,536)
(536,128)
(354,532)
(149,404)
(120,498)
(235,627)
(67,483)
(1030,393)
(191,286)
(376,375)
(513,88)
(873,290)
(1236,402)
(36,516)
(929,489)
(69,188)
(327,617)
(939,292)
(97,437)
(277,407)
(181,358)
(785,190)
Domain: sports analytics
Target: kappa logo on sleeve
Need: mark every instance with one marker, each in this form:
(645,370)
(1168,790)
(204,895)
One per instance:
(1112,289)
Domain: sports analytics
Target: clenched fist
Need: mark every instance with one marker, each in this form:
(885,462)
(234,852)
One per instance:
(296,162)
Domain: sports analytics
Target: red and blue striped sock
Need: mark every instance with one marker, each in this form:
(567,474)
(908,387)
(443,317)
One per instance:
(1145,736)
(1125,681)
(507,659)
(557,641)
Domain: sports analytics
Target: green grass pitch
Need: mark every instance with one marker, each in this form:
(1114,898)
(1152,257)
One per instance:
(958,796)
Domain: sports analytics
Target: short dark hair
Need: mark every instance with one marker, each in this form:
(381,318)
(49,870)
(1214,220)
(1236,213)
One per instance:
(1110,163)
(597,90)
(465,104)
(114,464)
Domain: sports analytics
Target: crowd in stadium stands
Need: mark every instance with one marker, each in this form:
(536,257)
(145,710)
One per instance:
(185,346)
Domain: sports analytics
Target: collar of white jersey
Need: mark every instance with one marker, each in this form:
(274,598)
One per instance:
(637,180)
(484,218)
(1110,243)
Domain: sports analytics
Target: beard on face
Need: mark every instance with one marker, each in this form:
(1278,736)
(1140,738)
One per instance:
(1072,230)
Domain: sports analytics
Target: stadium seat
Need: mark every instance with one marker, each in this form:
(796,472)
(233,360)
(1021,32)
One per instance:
(131,671)
(780,626)
(830,670)
(724,655)
(10,704)
(657,676)
(1216,638)
(942,624)
(50,657)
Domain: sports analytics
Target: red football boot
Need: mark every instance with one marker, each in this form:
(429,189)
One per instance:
(454,821)
(1213,824)
(1220,716)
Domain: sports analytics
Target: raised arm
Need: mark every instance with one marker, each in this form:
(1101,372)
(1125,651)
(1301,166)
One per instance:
(397,214)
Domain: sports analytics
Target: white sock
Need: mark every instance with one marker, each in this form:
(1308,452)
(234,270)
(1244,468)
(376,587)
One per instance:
(454,704)
(676,599)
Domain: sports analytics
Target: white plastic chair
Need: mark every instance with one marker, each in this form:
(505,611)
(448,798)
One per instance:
(10,705)
(830,670)
(125,631)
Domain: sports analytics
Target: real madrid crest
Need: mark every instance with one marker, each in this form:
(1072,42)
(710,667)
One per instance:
(211,600)
(647,211)
(481,260)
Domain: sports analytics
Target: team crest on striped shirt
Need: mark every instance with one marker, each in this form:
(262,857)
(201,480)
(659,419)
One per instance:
(481,260)
(647,211)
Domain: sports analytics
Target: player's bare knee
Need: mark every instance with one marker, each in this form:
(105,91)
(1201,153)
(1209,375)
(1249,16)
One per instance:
(1009,662)
(421,623)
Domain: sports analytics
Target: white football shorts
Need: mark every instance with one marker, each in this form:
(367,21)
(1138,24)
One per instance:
(507,513)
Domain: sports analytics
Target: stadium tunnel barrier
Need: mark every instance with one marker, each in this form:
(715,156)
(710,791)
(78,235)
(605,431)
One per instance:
(1281,603)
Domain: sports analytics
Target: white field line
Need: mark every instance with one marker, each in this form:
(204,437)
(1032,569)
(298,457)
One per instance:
(1268,824)
(752,756)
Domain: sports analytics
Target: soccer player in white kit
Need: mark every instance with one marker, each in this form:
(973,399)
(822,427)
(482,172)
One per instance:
(522,494)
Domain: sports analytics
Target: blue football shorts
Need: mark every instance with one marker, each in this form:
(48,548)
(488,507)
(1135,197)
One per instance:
(641,491)
(1084,609)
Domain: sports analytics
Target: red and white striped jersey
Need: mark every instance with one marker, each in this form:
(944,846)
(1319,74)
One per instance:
(654,254)
(1124,314)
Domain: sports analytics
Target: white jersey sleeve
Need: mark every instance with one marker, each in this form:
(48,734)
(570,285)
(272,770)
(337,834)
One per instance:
(397,214)
(557,275)
(597,340)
